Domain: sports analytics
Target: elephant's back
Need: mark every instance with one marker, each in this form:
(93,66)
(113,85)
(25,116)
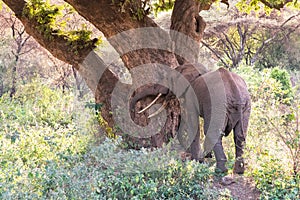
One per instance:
(235,87)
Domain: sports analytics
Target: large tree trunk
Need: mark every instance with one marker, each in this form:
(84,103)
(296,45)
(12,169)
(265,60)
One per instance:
(108,18)
(187,28)
(186,20)
(111,22)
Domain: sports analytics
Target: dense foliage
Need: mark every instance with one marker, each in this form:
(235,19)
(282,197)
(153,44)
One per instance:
(48,150)
(273,147)
(38,126)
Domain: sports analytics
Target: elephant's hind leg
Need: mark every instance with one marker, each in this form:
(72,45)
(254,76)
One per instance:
(240,131)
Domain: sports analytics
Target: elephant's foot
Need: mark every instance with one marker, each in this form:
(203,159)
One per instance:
(239,166)
(221,168)
(220,157)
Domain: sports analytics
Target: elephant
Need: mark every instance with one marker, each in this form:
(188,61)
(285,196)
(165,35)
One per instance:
(237,108)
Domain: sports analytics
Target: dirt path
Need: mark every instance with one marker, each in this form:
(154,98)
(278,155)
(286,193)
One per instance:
(240,187)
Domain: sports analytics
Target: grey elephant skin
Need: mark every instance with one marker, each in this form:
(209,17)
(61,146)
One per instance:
(236,107)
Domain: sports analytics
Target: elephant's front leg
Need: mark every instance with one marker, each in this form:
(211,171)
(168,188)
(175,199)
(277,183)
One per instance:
(220,156)
(196,148)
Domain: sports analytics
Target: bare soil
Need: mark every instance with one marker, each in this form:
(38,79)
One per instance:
(240,187)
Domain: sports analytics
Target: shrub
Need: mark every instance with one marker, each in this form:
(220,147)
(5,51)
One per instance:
(273,183)
(38,126)
(273,146)
(149,174)
(283,77)
(47,152)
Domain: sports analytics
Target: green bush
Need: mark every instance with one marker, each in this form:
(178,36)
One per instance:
(176,181)
(273,137)
(47,152)
(283,77)
(273,183)
(107,172)
(39,125)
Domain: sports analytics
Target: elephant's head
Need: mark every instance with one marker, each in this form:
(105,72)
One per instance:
(189,72)
(153,90)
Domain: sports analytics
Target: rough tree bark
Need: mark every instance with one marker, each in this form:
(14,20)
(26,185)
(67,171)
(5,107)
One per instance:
(186,20)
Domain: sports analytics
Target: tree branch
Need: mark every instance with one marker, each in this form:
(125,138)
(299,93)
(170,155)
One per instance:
(275,6)
(215,53)
(230,54)
(266,42)
(60,48)
(57,45)
(230,47)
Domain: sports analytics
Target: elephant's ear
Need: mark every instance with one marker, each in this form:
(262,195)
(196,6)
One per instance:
(192,71)
(180,85)
(185,78)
